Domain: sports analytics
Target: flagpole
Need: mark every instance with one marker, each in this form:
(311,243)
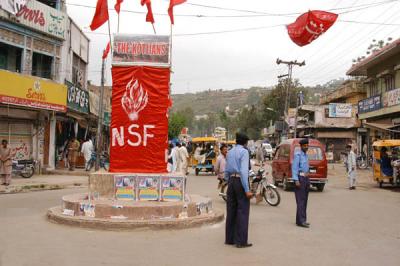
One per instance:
(154,29)
(109,34)
(118,24)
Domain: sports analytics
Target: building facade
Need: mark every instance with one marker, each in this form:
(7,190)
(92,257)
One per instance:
(379,111)
(36,64)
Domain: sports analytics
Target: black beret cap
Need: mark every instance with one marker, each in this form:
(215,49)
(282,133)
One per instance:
(241,138)
(303,141)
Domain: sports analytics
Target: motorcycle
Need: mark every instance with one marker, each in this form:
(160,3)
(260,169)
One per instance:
(24,168)
(258,184)
(104,161)
(362,162)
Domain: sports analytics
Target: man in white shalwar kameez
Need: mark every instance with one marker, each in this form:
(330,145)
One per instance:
(351,167)
(87,150)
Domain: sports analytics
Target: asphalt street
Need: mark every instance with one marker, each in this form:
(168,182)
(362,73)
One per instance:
(358,227)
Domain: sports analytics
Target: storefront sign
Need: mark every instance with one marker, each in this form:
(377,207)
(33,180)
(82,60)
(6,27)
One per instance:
(139,123)
(43,18)
(141,50)
(369,104)
(340,110)
(78,99)
(33,92)
(391,98)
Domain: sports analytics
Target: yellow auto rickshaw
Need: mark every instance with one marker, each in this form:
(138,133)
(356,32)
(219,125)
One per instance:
(204,154)
(386,164)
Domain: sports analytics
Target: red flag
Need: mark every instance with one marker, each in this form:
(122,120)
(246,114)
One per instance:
(117,6)
(173,3)
(100,15)
(309,26)
(149,16)
(106,51)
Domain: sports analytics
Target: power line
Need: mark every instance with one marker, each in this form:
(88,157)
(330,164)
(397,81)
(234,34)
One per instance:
(255,13)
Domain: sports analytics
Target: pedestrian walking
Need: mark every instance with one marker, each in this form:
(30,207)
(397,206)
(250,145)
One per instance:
(184,157)
(5,163)
(351,167)
(178,157)
(220,164)
(87,150)
(73,148)
(238,194)
(300,169)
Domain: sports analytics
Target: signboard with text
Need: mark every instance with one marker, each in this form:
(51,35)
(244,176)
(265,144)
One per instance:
(32,92)
(139,122)
(150,50)
(391,98)
(340,110)
(78,99)
(370,104)
(43,18)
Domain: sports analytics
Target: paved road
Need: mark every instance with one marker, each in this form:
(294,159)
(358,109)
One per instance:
(347,228)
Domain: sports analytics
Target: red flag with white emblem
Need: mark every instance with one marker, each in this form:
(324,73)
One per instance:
(309,26)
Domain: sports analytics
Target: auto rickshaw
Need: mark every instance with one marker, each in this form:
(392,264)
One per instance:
(209,152)
(230,143)
(386,170)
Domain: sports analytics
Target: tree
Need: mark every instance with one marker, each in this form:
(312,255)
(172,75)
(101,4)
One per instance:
(176,122)
(188,114)
(273,103)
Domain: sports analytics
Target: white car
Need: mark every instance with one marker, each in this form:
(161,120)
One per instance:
(268,151)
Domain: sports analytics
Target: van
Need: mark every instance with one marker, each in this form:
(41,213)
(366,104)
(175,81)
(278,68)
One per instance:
(283,158)
(268,151)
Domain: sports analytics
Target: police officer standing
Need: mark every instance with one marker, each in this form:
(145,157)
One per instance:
(238,194)
(300,169)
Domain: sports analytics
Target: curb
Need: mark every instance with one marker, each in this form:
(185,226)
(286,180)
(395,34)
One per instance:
(39,187)
(54,215)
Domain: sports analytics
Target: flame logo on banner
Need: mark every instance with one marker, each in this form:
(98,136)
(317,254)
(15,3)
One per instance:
(134,100)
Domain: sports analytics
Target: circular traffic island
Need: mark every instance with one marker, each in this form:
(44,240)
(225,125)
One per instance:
(112,214)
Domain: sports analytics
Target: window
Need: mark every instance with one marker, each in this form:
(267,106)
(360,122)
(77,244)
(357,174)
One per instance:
(78,71)
(52,3)
(389,82)
(42,65)
(373,88)
(284,152)
(313,153)
(10,57)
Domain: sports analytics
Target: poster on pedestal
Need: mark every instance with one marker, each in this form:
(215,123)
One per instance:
(172,188)
(148,188)
(125,187)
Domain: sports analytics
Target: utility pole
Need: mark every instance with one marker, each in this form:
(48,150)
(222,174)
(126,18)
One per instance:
(99,135)
(290,65)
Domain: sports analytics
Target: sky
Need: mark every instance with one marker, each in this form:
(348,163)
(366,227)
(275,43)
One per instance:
(215,48)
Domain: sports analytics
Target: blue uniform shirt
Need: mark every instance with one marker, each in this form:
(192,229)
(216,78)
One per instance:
(237,162)
(300,164)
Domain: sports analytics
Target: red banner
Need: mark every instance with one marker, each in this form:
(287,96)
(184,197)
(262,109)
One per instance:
(139,123)
(310,26)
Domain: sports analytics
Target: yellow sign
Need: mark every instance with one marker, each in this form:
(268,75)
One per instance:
(31,91)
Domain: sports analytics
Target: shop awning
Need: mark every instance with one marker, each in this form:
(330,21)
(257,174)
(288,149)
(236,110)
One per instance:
(379,126)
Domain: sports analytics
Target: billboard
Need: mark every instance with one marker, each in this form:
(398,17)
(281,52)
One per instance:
(32,92)
(340,110)
(148,50)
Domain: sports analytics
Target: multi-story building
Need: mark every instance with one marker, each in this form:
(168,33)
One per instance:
(40,50)
(379,112)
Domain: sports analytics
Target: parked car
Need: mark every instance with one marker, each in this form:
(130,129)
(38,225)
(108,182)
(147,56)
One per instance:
(268,151)
(282,163)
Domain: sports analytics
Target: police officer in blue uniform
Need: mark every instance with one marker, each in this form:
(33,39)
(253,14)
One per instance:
(238,194)
(300,169)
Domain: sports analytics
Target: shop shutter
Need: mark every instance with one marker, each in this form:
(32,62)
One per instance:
(19,135)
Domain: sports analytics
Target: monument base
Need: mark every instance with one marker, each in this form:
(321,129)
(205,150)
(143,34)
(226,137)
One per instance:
(101,209)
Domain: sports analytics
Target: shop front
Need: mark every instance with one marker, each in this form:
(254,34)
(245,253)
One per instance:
(74,123)
(28,106)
